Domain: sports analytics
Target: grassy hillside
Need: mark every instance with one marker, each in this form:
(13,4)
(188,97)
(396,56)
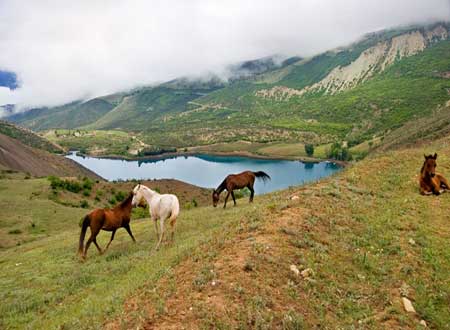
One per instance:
(72,115)
(27,137)
(367,234)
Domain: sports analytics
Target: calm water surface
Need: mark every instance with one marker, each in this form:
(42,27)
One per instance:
(209,171)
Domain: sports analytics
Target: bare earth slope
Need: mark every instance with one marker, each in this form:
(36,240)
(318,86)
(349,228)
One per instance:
(19,157)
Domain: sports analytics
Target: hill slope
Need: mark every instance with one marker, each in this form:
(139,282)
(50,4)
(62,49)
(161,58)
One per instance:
(28,137)
(367,234)
(17,156)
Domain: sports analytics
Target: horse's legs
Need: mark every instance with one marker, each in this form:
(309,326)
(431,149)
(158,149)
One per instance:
(234,199)
(252,193)
(173,222)
(128,229)
(226,198)
(98,247)
(94,233)
(161,236)
(444,182)
(109,243)
(155,221)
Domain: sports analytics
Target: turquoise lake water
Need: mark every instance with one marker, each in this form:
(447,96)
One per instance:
(209,171)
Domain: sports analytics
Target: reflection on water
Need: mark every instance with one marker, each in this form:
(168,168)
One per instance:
(209,171)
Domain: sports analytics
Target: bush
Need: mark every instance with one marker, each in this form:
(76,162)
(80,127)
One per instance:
(87,183)
(155,151)
(69,185)
(338,152)
(84,204)
(309,149)
(120,196)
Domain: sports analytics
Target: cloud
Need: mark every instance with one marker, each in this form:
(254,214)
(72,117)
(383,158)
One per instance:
(66,50)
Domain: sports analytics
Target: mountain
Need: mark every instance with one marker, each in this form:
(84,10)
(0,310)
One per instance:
(355,93)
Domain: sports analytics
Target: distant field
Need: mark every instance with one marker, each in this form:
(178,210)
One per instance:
(119,143)
(95,142)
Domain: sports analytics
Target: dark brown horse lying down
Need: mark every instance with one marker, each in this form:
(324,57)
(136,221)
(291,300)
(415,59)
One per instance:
(238,181)
(430,181)
(106,219)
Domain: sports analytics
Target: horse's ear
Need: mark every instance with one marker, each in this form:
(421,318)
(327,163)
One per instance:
(426,157)
(435,156)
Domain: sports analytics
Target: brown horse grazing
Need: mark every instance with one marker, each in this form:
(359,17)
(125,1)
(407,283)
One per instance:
(106,219)
(430,181)
(238,181)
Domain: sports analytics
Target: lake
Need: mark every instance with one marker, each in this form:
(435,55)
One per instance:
(209,171)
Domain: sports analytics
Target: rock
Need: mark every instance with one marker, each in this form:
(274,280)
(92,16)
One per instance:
(411,241)
(295,197)
(407,304)
(423,323)
(307,272)
(213,283)
(295,269)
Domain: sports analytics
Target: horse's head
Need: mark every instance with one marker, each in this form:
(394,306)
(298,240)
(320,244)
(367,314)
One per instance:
(215,198)
(429,166)
(137,196)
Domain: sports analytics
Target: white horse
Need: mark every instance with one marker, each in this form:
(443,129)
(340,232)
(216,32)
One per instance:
(161,207)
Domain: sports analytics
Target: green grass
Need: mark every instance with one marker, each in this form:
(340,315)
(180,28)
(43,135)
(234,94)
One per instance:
(98,142)
(353,230)
(44,285)
(368,235)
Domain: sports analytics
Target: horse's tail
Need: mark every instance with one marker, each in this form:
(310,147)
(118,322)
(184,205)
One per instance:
(84,225)
(175,210)
(262,175)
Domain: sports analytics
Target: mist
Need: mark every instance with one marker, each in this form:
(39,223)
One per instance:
(70,50)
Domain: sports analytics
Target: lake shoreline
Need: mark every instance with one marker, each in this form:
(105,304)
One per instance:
(217,153)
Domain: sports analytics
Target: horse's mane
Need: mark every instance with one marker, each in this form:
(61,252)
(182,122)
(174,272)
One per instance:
(423,166)
(222,186)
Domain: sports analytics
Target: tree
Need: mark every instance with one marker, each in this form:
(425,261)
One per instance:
(338,152)
(309,149)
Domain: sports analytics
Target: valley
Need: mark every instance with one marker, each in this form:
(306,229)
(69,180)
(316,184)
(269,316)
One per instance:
(356,95)
(343,251)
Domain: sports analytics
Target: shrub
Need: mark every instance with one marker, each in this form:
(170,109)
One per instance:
(84,204)
(87,183)
(69,185)
(309,149)
(338,152)
(15,231)
(120,196)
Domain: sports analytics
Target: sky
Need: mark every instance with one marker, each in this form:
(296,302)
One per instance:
(69,50)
